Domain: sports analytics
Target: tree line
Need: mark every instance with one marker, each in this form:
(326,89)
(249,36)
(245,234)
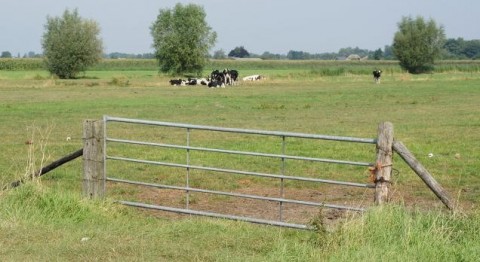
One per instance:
(453,49)
(182,40)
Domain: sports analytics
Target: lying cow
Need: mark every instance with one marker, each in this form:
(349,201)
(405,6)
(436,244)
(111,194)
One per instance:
(202,81)
(252,78)
(192,81)
(216,83)
(197,81)
(376,76)
(178,82)
(217,75)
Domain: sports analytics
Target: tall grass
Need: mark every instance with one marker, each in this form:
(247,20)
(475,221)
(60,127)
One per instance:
(392,233)
(38,223)
(43,225)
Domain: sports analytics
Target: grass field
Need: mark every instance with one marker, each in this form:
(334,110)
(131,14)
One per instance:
(436,113)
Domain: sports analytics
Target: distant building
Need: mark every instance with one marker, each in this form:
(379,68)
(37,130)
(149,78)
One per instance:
(245,58)
(354,57)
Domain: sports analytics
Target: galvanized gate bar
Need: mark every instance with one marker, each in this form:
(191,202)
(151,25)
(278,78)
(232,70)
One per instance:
(282,182)
(211,214)
(231,171)
(187,202)
(244,131)
(283,156)
(275,199)
(188,167)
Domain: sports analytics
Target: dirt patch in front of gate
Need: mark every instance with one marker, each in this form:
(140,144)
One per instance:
(270,210)
(261,209)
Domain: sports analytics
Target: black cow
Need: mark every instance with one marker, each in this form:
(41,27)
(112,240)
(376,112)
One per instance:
(376,76)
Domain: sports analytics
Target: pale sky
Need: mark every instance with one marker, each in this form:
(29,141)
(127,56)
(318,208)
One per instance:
(276,26)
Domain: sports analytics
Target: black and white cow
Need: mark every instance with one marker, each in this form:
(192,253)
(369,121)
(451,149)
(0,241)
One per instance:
(234,75)
(228,77)
(216,83)
(178,82)
(192,81)
(202,81)
(217,75)
(376,76)
(189,82)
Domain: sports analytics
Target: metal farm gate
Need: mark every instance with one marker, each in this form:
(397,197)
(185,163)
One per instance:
(186,165)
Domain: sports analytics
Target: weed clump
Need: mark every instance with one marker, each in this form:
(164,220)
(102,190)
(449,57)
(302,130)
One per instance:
(119,81)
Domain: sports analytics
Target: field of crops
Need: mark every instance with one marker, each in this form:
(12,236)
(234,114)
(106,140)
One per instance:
(321,67)
(435,114)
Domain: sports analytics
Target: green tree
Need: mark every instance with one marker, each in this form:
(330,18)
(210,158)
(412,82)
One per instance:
(378,54)
(6,54)
(454,48)
(462,49)
(219,54)
(239,51)
(298,55)
(182,39)
(417,44)
(388,52)
(270,56)
(71,44)
(472,49)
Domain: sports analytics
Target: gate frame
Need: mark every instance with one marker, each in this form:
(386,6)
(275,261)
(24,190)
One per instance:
(95,141)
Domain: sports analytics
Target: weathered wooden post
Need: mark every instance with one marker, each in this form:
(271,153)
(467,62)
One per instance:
(93,159)
(383,164)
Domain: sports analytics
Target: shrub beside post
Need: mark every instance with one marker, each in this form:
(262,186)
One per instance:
(93,159)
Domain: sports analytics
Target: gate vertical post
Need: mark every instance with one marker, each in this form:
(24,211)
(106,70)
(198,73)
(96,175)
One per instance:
(383,163)
(93,159)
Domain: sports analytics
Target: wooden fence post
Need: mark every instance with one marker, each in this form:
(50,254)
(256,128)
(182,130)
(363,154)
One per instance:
(383,164)
(93,159)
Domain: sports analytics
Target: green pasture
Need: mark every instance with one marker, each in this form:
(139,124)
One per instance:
(436,113)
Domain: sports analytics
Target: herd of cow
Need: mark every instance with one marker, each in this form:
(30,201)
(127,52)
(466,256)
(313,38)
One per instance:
(216,79)
(229,77)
